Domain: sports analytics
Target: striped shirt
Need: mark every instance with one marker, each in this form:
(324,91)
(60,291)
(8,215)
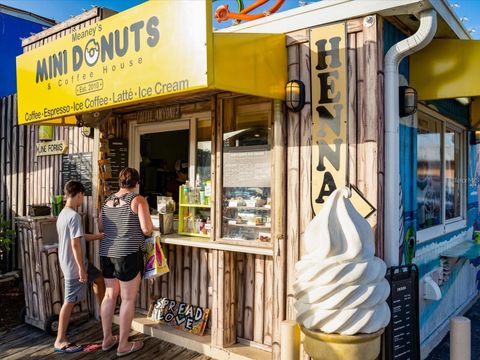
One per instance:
(123,233)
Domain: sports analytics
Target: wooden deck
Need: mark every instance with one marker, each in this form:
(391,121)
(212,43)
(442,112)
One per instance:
(27,342)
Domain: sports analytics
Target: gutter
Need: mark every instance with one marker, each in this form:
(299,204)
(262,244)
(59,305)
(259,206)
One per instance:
(406,47)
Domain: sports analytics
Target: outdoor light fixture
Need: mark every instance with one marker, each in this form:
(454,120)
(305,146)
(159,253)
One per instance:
(407,101)
(295,95)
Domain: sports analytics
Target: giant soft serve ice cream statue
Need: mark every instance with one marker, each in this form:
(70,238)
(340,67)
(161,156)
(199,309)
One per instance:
(341,289)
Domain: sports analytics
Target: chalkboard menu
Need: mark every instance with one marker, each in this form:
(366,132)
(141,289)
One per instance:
(402,337)
(118,156)
(78,167)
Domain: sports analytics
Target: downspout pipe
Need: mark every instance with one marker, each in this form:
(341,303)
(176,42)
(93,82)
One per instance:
(414,43)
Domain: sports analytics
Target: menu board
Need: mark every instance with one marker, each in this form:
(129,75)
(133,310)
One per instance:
(78,167)
(246,166)
(118,156)
(402,334)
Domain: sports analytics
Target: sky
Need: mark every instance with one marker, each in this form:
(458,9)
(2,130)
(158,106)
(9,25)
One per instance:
(59,10)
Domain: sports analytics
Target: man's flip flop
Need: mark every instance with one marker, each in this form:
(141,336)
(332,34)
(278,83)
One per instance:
(115,343)
(69,349)
(136,345)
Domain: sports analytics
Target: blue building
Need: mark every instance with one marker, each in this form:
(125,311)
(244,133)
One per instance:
(15,24)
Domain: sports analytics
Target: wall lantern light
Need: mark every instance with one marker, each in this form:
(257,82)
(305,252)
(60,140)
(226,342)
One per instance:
(295,95)
(407,101)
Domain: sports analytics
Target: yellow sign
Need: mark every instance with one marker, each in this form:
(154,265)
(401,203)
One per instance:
(328,54)
(446,69)
(155,49)
(45,132)
(46,148)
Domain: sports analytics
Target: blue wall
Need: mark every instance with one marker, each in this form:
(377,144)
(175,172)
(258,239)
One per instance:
(460,287)
(11,30)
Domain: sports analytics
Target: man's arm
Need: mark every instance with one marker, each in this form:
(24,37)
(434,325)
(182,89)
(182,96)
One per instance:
(93,237)
(78,255)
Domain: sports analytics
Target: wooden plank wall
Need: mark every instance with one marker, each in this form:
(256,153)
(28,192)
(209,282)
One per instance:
(12,170)
(42,277)
(189,279)
(365,132)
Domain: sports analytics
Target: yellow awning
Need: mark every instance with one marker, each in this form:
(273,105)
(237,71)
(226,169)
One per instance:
(153,51)
(446,69)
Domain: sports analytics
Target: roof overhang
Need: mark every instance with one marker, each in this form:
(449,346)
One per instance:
(156,50)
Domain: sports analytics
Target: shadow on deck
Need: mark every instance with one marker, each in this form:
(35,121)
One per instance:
(27,342)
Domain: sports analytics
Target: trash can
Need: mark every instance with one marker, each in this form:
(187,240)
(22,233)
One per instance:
(42,276)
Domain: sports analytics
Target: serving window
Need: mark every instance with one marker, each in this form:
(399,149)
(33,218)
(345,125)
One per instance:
(247,174)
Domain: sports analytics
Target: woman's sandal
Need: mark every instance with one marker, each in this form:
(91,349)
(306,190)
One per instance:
(136,345)
(69,349)
(115,343)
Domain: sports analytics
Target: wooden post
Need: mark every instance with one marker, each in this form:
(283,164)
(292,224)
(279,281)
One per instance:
(240,282)
(203,281)
(293,180)
(259,298)
(279,214)
(249,297)
(187,278)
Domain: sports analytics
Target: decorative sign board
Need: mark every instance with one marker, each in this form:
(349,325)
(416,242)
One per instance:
(78,167)
(181,316)
(118,157)
(402,335)
(328,54)
(47,148)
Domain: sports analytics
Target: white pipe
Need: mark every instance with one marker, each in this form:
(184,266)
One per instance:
(423,36)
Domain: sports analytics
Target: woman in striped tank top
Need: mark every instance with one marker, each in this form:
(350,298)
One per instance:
(125,220)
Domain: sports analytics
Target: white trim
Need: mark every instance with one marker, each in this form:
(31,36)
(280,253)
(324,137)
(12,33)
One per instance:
(460,222)
(451,18)
(436,337)
(440,230)
(200,243)
(324,12)
(136,130)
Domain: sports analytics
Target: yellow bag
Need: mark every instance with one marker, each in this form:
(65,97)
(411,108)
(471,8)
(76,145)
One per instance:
(156,262)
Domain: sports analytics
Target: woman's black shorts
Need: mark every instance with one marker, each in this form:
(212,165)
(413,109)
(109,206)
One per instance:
(124,268)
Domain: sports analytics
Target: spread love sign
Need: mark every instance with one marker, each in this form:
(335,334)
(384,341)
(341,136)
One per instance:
(182,316)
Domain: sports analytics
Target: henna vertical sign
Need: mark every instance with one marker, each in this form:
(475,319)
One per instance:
(328,54)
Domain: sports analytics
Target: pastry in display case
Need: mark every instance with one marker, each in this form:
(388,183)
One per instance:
(246,214)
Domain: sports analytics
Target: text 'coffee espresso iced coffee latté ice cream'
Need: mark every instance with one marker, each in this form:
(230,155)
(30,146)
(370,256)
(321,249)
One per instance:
(341,286)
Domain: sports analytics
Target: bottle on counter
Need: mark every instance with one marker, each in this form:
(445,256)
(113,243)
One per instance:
(196,190)
(208,191)
(186,192)
(208,226)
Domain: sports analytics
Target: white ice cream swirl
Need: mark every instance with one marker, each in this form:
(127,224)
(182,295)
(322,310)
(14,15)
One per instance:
(341,286)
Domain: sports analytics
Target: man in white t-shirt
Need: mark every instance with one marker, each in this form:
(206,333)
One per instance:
(77,271)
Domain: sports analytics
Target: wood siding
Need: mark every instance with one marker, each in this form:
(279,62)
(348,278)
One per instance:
(12,170)
(365,134)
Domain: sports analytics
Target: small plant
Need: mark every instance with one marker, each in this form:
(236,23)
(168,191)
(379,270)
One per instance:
(6,234)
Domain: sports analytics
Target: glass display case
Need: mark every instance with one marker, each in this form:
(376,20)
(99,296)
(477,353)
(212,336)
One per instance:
(246,201)
(194,218)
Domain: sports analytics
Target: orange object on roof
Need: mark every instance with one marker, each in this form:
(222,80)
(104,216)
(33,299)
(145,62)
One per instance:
(222,13)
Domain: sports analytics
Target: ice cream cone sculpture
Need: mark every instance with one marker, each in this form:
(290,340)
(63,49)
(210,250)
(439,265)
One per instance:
(340,285)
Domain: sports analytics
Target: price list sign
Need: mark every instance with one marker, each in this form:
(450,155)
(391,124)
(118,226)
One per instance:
(118,156)
(402,334)
(78,167)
